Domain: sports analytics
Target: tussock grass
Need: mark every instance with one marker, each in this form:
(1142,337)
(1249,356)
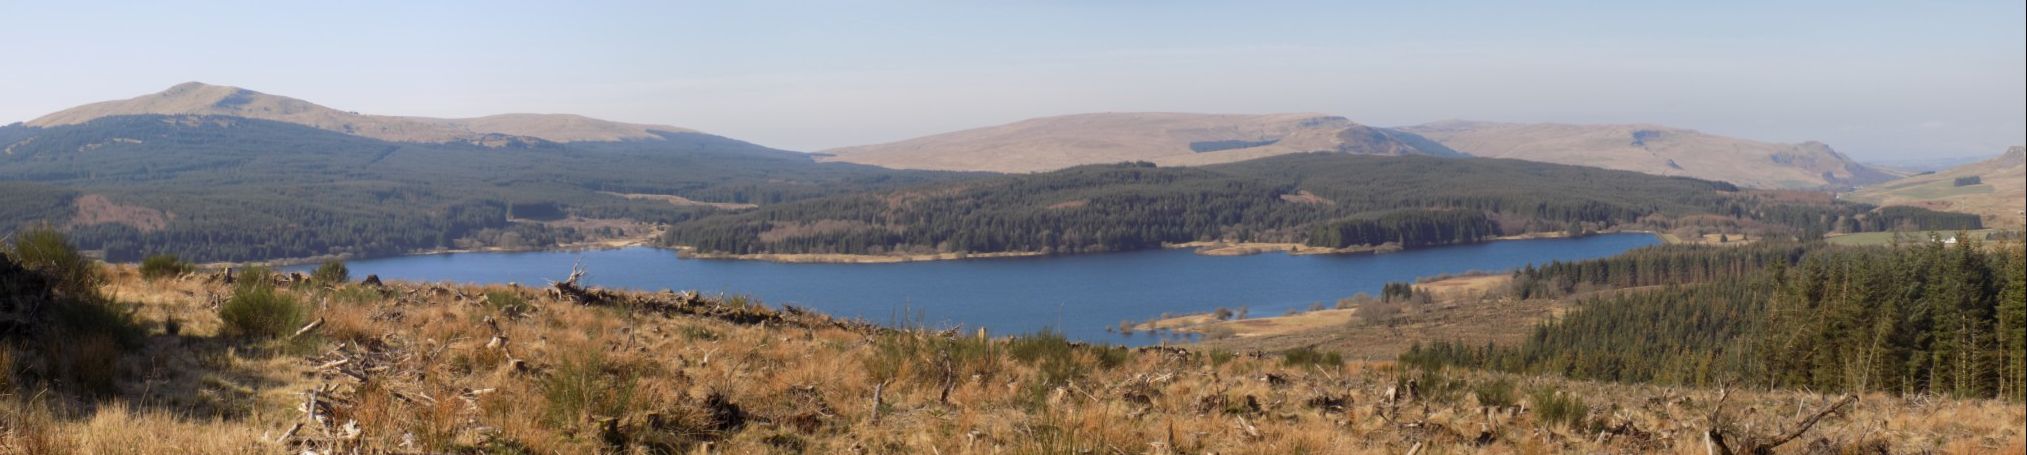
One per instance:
(1310,357)
(160,266)
(331,272)
(1559,408)
(1497,393)
(257,309)
(461,369)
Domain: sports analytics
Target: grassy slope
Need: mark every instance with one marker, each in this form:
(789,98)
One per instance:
(1171,139)
(1909,237)
(1657,150)
(1998,197)
(627,377)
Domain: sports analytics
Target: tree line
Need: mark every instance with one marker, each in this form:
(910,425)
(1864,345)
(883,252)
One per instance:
(1327,200)
(1653,266)
(1924,319)
(236,189)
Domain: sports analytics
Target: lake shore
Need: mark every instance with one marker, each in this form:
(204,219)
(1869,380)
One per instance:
(1206,248)
(1219,248)
(1285,324)
(1010,295)
(824,258)
(587,245)
(1201,247)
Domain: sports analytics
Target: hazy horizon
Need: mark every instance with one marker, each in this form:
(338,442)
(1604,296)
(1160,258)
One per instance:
(1877,81)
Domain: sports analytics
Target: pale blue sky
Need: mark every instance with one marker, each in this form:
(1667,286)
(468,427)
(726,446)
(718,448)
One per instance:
(1877,80)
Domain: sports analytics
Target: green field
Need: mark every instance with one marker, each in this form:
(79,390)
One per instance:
(1887,238)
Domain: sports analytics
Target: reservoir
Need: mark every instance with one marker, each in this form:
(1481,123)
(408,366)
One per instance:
(1080,295)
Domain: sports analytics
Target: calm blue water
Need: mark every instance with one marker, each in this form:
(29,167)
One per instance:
(1080,295)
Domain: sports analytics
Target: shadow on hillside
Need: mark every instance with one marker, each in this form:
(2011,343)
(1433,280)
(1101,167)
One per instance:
(191,377)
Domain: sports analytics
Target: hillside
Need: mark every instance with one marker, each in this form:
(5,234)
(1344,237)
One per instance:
(1051,143)
(1657,150)
(221,188)
(369,367)
(1323,202)
(1995,189)
(195,98)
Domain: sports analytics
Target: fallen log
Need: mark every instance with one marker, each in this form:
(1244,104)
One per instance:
(1716,442)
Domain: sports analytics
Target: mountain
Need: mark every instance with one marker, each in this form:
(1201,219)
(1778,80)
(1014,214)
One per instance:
(1050,143)
(1658,150)
(1995,189)
(1912,166)
(216,173)
(195,98)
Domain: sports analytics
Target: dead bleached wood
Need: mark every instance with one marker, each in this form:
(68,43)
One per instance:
(1716,442)
(949,379)
(1804,426)
(878,389)
(1250,430)
(291,433)
(307,328)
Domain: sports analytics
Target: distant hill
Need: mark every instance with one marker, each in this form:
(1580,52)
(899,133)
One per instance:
(1331,201)
(1050,143)
(195,98)
(217,173)
(1912,166)
(1995,189)
(1658,150)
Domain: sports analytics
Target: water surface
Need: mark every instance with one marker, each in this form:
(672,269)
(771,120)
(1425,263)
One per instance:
(1080,295)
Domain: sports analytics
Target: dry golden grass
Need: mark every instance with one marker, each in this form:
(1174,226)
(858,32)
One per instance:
(670,373)
(1473,308)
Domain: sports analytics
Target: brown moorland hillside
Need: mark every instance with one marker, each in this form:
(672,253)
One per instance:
(1995,189)
(1657,150)
(1051,143)
(195,98)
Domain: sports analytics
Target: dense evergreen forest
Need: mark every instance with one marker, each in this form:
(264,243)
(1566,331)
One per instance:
(1921,319)
(236,189)
(26,202)
(1653,266)
(1326,200)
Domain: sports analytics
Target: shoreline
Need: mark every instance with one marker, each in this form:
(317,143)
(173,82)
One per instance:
(1221,248)
(588,245)
(1204,248)
(689,252)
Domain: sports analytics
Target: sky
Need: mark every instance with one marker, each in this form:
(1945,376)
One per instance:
(1879,81)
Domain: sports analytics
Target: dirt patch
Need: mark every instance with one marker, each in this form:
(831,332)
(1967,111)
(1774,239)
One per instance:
(814,258)
(1289,324)
(1306,197)
(1469,309)
(97,209)
(683,201)
(1463,286)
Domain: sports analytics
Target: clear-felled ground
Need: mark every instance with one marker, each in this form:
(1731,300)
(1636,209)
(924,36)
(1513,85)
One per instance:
(426,369)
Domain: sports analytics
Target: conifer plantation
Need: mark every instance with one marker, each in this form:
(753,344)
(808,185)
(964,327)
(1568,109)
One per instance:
(1923,319)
